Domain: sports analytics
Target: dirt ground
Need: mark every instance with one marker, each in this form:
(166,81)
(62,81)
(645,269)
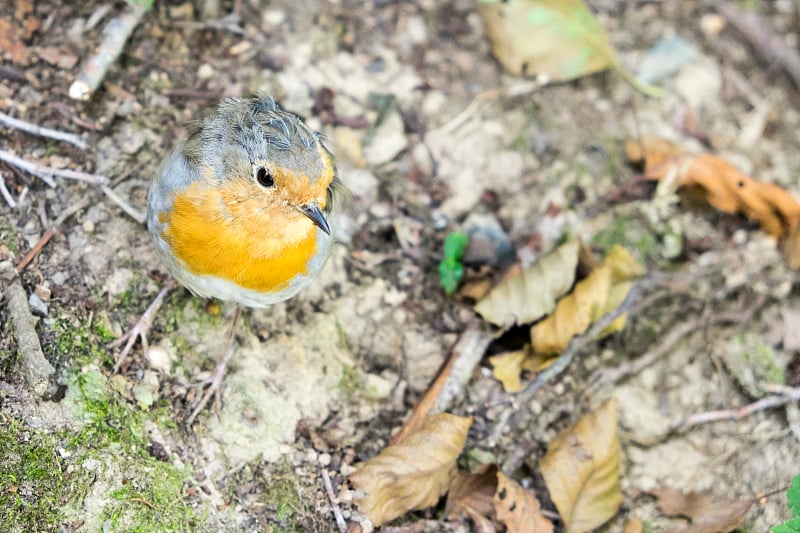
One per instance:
(428,132)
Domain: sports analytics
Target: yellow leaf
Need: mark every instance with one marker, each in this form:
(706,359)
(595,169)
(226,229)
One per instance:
(574,313)
(533,293)
(600,292)
(518,508)
(581,470)
(559,39)
(414,473)
(507,367)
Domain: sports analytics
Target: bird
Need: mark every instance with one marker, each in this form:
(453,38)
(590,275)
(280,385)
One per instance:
(242,211)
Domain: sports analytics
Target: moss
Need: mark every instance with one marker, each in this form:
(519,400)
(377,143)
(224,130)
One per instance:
(33,485)
(285,497)
(761,357)
(148,493)
(351,382)
(7,233)
(627,232)
(73,341)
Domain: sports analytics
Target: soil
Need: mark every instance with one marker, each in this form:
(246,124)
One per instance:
(428,131)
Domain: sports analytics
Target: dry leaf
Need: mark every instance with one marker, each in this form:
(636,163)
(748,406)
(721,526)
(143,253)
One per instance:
(707,514)
(414,473)
(55,56)
(651,151)
(592,298)
(11,43)
(558,39)
(507,367)
(470,496)
(633,525)
(533,293)
(725,187)
(581,470)
(518,508)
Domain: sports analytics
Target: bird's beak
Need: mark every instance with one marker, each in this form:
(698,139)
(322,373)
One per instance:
(312,211)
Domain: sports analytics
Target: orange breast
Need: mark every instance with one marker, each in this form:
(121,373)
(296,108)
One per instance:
(241,244)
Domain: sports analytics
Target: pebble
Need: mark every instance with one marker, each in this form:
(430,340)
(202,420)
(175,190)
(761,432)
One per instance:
(38,307)
(88,226)
(159,358)
(205,71)
(324,459)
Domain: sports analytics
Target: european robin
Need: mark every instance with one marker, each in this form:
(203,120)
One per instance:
(239,212)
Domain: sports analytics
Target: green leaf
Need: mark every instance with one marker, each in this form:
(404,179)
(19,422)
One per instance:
(450,275)
(790,526)
(793,496)
(559,39)
(454,246)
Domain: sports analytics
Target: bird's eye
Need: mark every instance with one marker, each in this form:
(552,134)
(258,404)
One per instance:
(264,177)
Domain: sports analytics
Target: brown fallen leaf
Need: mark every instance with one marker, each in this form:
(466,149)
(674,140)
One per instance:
(581,470)
(414,473)
(708,514)
(592,298)
(55,56)
(533,293)
(633,525)
(518,508)
(721,184)
(470,496)
(11,43)
(489,494)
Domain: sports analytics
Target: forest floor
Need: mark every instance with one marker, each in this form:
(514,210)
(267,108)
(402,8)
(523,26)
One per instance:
(431,136)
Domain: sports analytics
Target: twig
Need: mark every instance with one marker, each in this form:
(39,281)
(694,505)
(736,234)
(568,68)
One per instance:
(768,402)
(763,38)
(45,173)
(36,369)
(34,129)
(142,500)
(337,513)
(74,208)
(115,35)
(581,341)
(6,194)
(135,214)
(470,347)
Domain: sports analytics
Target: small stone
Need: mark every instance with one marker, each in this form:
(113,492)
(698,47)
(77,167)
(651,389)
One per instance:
(273,17)
(324,459)
(159,358)
(38,307)
(88,226)
(380,210)
(205,71)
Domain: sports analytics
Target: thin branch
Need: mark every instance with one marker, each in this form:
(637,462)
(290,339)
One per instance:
(337,513)
(115,35)
(135,214)
(756,30)
(35,367)
(74,208)
(768,402)
(34,129)
(6,194)
(46,174)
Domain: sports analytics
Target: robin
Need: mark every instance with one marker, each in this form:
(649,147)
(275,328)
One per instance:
(240,212)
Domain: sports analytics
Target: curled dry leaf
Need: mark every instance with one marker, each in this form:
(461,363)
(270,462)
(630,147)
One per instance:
(581,470)
(414,473)
(721,184)
(518,508)
(558,39)
(533,293)
(489,494)
(602,291)
(470,496)
(706,513)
